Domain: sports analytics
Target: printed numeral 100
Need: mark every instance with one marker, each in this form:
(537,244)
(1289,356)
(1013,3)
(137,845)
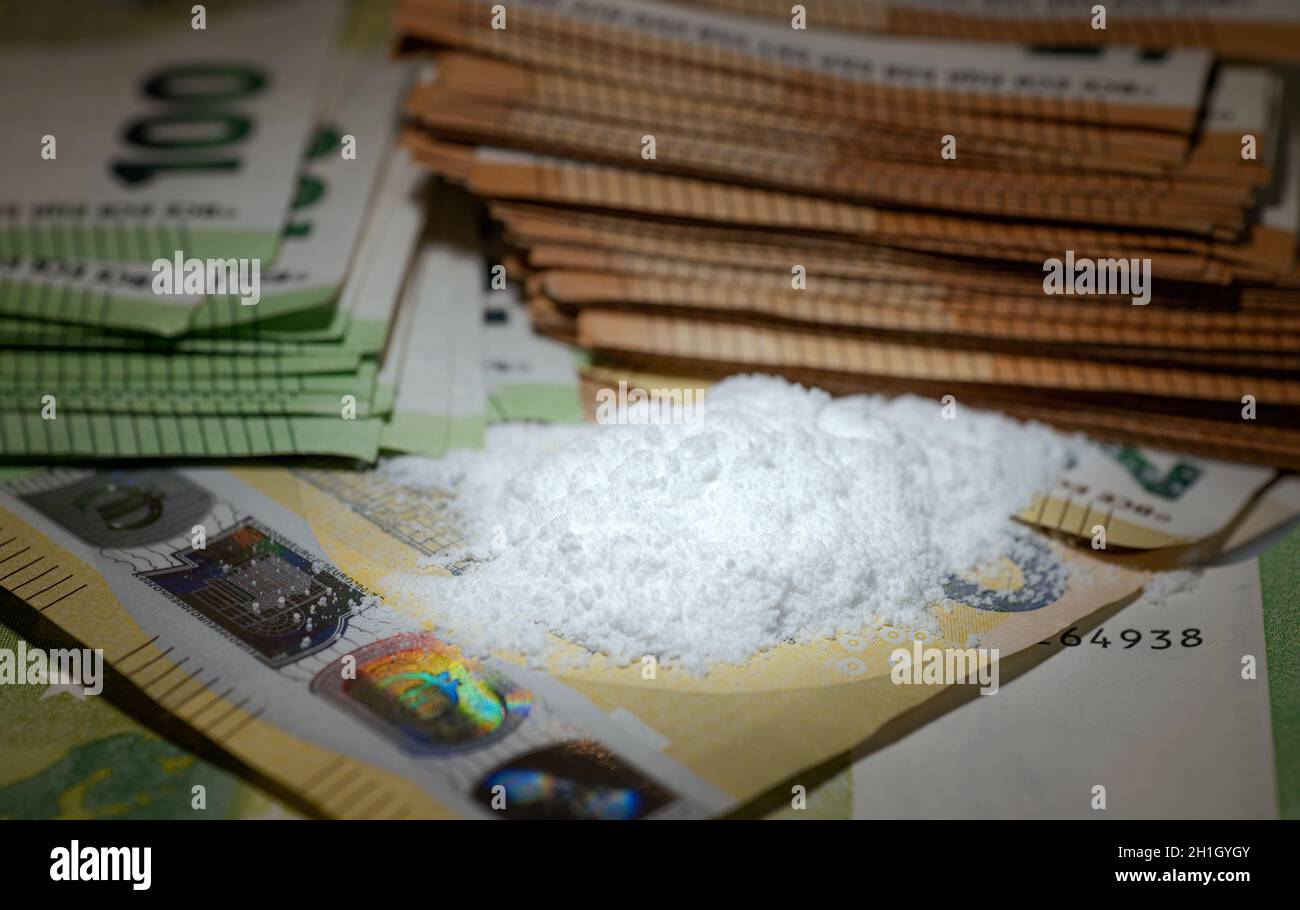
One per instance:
(197,131)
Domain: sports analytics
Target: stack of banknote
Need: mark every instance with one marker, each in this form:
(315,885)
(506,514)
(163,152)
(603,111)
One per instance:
(1242,30)
(207,244)
(1102,237)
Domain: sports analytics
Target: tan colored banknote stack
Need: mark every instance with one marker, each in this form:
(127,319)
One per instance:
(1263,30)
(1103,238)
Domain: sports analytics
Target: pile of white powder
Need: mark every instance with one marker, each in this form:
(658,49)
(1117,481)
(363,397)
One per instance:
(777,514)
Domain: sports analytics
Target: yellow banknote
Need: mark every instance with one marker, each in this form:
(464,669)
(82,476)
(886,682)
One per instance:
(250,604)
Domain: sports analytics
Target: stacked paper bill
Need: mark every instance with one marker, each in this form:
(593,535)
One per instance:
(685,193)
(1243,29)
(1102,238)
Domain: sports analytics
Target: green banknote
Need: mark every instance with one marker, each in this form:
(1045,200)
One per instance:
(204,394)
(359,322)
(29,437)
(357,393)
(71,756)
(526,376)
(53,370)
(362,91)
(322,399)
(357,101)
(42,335)
(434,362)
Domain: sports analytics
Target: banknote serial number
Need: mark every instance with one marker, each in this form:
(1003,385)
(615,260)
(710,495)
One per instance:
(1157,639)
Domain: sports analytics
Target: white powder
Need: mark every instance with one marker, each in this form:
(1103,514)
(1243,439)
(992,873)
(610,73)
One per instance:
(779,514)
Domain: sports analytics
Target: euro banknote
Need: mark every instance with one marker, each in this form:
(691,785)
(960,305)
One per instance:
(263,678)
(358,392)
(527,376)
(75,757)
(1179,709)
(80,436)
(135,150)
(434,364)
(427,396)
(353,128)
(243,391)
(687,190)
(1034,751)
